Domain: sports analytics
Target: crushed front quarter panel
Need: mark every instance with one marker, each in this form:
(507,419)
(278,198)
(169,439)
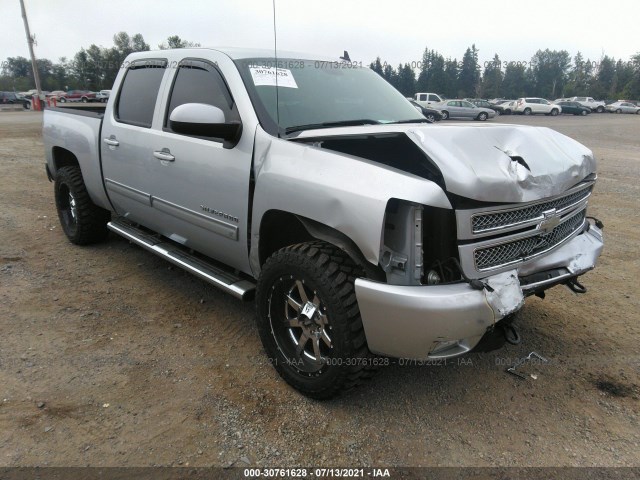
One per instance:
(347,193)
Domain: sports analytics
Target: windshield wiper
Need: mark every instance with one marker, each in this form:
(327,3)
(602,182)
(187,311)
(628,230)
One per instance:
(413,120)
(341,123)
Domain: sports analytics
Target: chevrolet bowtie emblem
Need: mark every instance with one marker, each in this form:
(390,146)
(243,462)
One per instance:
(551,220)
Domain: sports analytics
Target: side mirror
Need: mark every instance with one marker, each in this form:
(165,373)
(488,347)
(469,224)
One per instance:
(202,120)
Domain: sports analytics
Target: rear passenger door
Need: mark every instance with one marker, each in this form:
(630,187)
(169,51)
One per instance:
(127,142)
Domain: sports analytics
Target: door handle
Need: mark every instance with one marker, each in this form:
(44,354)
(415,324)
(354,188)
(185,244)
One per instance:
(111,142)
(164,155)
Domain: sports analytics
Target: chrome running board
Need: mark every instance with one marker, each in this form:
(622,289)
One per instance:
(224,280)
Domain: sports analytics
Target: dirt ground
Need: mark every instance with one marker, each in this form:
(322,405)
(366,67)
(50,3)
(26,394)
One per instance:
(109,356)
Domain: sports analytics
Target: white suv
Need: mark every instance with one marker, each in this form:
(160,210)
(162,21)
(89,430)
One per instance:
(533,105)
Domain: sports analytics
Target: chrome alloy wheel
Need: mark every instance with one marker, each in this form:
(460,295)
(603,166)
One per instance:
(72,207)
(300,325)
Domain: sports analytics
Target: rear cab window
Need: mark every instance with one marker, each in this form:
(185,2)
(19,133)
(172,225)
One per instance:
(138,93)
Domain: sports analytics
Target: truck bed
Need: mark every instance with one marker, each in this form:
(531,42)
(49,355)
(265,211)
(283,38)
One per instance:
(76,131)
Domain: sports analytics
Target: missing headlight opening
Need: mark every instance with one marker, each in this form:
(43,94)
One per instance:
(411,253)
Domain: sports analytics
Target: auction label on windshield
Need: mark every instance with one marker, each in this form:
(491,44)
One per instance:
(267,76)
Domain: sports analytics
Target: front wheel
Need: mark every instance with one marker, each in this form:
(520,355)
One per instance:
(445,114)
(84,100)
(431,117)
(554,112)
(618,111)
(600,109)
(83,222)
(482,116)
(62,100)
(583,112)
(309,321)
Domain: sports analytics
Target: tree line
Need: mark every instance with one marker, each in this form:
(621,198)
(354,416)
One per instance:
(94,68)
(549,74)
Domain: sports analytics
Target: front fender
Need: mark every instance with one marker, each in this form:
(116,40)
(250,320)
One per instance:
(344,192)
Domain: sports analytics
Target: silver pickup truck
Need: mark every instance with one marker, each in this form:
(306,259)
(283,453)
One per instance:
(310,184)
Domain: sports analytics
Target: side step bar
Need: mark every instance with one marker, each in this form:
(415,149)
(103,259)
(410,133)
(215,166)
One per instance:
(230,283)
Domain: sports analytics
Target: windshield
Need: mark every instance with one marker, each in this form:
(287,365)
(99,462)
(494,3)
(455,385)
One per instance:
(312,92)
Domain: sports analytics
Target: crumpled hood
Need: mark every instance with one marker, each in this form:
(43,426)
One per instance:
(478,161)
(493,162)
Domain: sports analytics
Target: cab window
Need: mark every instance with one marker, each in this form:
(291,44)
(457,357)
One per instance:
(200,82)
(137,98)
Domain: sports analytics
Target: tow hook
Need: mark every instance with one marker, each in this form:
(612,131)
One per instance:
(511,334)
(575,286)
(598,223)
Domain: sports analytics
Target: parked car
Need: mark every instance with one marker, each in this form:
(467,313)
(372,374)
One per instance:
(429,113)
(534,105)
(357,232)
(505,108)
(103,96)
(478,102)
(11,98)
(595,106)
(83,96)
(464,109)
(426,99)
(574,108)
(622,107)
(56,94)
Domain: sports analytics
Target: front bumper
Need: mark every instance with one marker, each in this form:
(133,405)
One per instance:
(441,321)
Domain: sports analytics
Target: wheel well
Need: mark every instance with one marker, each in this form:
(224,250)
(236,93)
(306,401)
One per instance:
(280,229)
(63,158)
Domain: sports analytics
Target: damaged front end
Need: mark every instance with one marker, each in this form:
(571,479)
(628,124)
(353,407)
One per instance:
(516,225)
(447,320)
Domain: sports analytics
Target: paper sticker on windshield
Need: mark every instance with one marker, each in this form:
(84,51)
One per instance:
(267,76)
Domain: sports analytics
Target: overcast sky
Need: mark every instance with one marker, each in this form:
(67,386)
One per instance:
(396,30)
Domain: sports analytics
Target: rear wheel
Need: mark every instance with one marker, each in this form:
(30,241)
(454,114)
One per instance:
(309,321)
(445,114)
(527,111)
(62,100)
(83,222)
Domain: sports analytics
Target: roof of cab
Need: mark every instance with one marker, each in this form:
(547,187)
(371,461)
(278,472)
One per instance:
(237,53)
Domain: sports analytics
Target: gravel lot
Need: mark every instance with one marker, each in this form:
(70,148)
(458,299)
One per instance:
(109,356)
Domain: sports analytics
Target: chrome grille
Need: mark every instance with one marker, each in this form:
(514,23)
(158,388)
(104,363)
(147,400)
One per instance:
(489,221)
(528,247)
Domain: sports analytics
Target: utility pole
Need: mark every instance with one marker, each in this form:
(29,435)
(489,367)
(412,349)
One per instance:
(34,64)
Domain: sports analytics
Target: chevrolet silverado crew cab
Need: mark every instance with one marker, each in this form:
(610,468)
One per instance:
(361,230)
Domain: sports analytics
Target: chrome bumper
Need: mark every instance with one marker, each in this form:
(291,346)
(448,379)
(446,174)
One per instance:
(442,321)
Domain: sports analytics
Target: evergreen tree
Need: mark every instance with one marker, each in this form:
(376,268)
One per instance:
(469,78)
(492,79)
